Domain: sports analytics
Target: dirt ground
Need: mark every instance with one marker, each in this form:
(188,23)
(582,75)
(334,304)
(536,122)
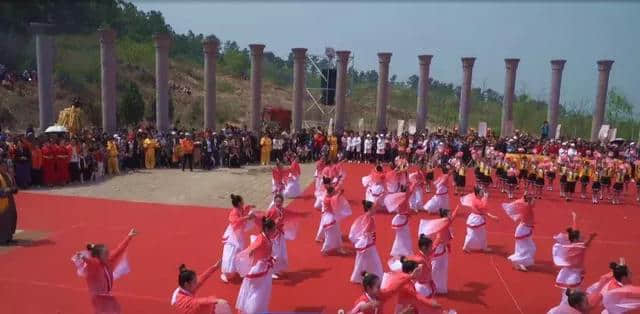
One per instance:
(172,186)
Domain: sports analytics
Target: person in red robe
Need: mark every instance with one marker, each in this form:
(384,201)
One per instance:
(49,163)
(100,268)
(184,299)
(62,163)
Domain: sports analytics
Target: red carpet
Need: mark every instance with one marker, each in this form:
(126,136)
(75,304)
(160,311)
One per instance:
(40,278)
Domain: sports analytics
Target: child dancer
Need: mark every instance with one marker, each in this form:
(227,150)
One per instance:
(568,253)
(334,208)
(618,185)
(551,175)
(184,299)
(618,277)
(418,179)
(375,187)
(596,194)
(585,176)
(255,264)
(570,185)
(292,187)
(286,229)
(512,181)
(521,211)
(476,238)
(100,268)
(234,238)
(441,228)
(279,175)
(429,176)
(363,236)
(441,197)
(374,298)
(459,177)
(398,203)
(577,302)
(539,181)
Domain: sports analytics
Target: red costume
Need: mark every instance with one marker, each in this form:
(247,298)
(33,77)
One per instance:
(49,164)
(187,303)
(62,164)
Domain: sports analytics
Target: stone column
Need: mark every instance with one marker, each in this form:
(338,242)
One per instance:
(257,52)
(210,49)
(604,68)
(108,79)
(44,56)
(299,60)
(506,125)
(465,95)
(342,62)
(162,43)
(554,99)
(383,90)
(423,92)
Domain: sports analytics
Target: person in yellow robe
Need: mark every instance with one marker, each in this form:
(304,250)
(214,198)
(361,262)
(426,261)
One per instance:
(266,144)
(112,158)
(150,144)
(8,213)
(333,147)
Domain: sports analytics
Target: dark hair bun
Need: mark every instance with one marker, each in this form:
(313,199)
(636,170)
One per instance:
(613,265)
(182,267)
(233,197)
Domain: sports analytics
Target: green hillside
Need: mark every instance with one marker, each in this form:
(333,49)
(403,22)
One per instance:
(77,73)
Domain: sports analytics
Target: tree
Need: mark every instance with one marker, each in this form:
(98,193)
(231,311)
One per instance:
(413,81)
(619,108)
(131,105)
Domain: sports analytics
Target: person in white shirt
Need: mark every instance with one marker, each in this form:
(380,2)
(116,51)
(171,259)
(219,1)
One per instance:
(380,148)
(356,141)
(368,148)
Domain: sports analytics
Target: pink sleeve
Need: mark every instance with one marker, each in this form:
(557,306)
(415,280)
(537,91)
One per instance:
(204,276)
(117,253)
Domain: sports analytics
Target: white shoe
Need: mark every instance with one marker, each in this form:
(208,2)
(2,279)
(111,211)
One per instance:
(224,278)
(275,276)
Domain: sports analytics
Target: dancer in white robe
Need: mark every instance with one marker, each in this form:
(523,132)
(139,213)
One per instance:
(476,237)
(441,229)
(334,209)
(441,198)
(521,211)
(375,187)
(287,222)
(363,236)
(568,254)
(241,220)
(419,179)
(292,187)
(255,264)
(398,203)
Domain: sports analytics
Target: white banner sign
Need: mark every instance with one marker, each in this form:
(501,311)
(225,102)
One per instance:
(558,131)
(604,132)
(482,129)
(412,127)
(400,128)
(612,134)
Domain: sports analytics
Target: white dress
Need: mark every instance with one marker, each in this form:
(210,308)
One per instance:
(402,242)
(525,247)
(476,238)
(292,188)
(440,199)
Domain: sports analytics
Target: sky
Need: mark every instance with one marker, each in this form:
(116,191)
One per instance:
(534,32)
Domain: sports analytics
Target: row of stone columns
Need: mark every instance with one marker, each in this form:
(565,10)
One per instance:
(162,42)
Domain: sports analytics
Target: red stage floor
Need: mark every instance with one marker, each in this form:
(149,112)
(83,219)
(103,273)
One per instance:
(40,278)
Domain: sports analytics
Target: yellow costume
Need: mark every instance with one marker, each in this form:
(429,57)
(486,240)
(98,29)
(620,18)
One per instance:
(265,150)
(71,119)
(112,155)
(333,147)
(150,146)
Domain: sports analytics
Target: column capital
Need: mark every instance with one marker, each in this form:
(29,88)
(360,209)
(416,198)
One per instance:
(343,55)
(425,59)
(256,49)
(467,62)
(42,28)
(299,53)
(210,45)
(605,65)
(384,57)
(161,40)
(511,63)
(107,35)
(558,64)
